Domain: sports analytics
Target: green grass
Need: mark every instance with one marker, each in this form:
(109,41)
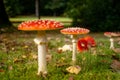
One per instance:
(14,67)
(64,20)
(24,18)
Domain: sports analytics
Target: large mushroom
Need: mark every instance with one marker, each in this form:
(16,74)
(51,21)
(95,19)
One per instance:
(41,26)
(112,35)
(74,31)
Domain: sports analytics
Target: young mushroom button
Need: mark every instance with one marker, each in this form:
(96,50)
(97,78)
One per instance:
(74,31)
(41,26)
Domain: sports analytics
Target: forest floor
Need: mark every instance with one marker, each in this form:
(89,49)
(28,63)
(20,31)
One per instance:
(18,58)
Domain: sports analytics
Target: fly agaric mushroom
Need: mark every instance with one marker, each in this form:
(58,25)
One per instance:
(112,35)
(85,43)
(41,26)
(90,40)
(74,31)
(82,44)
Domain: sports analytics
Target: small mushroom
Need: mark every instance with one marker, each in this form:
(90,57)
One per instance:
(41,26)
(85,43)
(90,40)
(74,31)
(112,35)
(82,44)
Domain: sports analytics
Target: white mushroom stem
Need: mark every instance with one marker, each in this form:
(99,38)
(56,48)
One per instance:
(111,43)
(74,43)
(41,42)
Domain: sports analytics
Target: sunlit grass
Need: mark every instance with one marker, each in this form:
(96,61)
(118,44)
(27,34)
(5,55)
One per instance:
(24,18)
(17,20)
(64,20)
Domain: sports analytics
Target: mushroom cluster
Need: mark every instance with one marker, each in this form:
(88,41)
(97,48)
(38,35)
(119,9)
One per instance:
(41,26)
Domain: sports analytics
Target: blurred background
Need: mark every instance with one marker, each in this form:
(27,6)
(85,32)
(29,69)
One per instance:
(96,15)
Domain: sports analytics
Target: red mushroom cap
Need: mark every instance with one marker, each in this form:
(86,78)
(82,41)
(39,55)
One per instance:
(90,41)
(82,44)
(108,34)
(74,30)
(40,25)
(112,34)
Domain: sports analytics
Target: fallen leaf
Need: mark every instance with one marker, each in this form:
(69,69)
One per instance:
(34,56)
(30,56)
(59,50)
(61,64)
(62,59)
(24,56)
(1,70)
(16,60)
(25,46)
(115,65)
(116,50)
(10,68)
(115,56)
(83,58)
(104,61)
(2,64)
(74,69)
(13,49)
